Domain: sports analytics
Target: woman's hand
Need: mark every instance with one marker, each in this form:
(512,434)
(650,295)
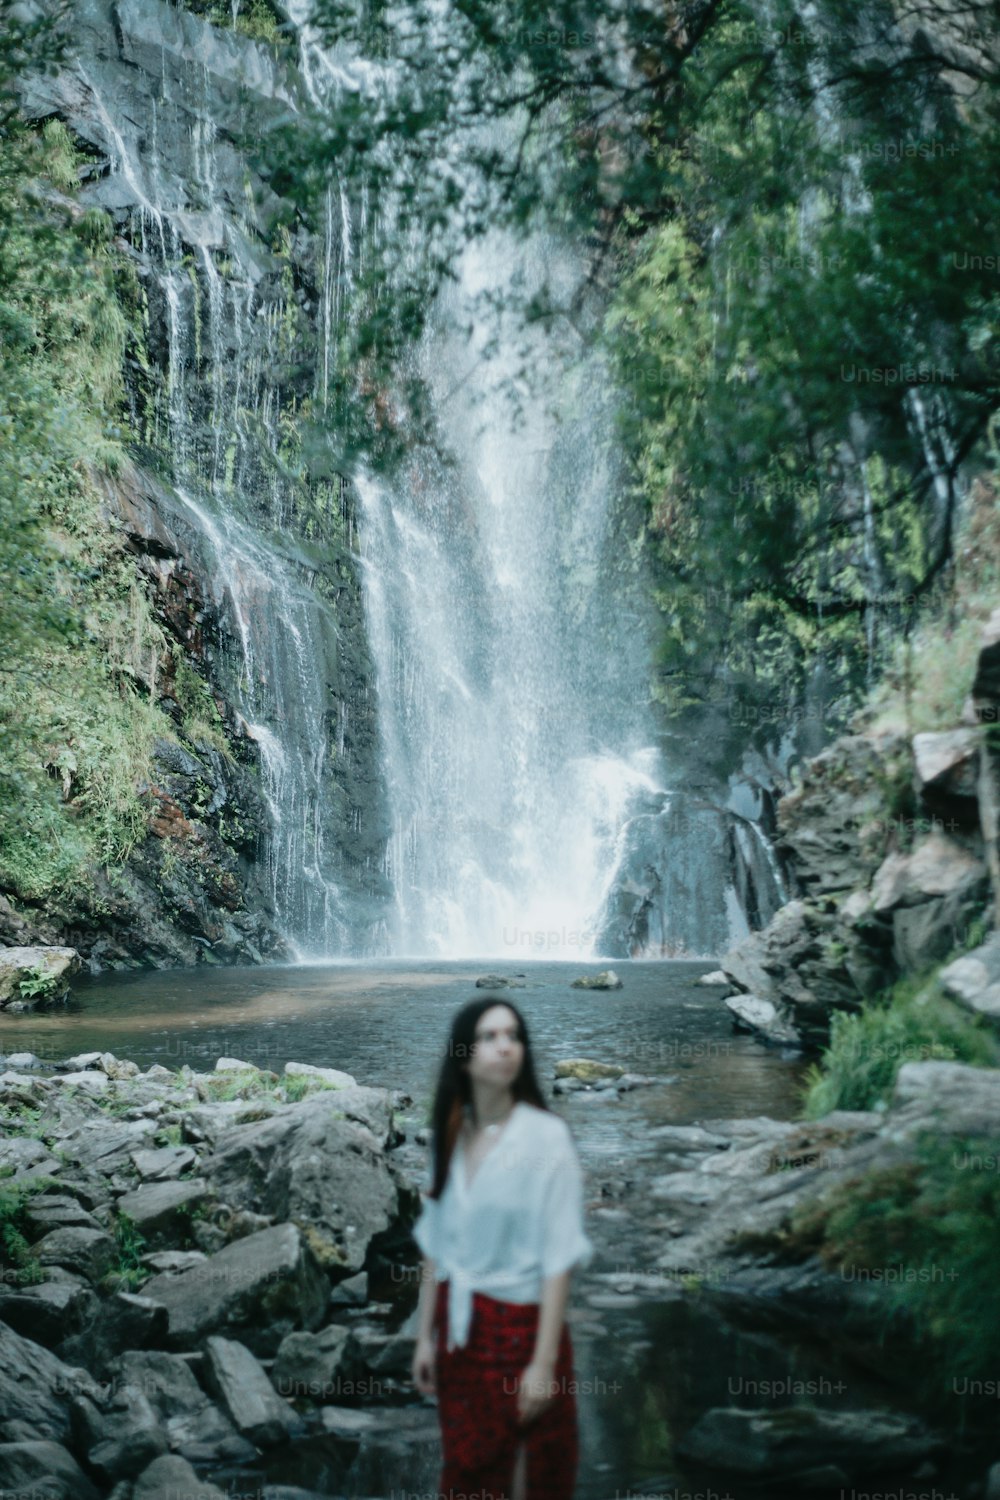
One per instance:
(536,1391)
(422,1371)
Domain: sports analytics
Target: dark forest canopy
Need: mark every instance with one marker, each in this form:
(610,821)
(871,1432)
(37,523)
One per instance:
(792,217)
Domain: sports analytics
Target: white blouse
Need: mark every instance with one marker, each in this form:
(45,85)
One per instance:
(520,1221)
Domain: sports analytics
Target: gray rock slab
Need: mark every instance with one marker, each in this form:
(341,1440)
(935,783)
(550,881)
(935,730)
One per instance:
(48,1211)
(44,1470)
(171,1477)
(36,1387)
(159,1209)
(163,1162)
(246,1394)
(121,1436)
(321,1367)
(762,1017)
(320,1162)
(49,1311)
(974,979)
(125,1321)
(88,1252)
(801,1440)
(332,1077)
(27,1157)
(195,1427)
(265,1285)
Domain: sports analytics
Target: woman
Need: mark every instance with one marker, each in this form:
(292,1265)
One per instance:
(501,1227)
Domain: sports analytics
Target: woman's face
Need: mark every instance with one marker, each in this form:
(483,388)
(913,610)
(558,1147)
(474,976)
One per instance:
(498,1053)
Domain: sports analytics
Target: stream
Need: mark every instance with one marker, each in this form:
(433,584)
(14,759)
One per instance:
(648,1360)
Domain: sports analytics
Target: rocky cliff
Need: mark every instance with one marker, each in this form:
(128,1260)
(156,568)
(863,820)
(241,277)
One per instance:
(893,841)
(265,812)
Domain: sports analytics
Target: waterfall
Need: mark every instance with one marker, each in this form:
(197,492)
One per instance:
(457,749)
(509,640)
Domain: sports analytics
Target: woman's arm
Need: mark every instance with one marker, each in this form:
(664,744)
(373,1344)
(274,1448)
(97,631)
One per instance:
(537,1386)
(423,1354)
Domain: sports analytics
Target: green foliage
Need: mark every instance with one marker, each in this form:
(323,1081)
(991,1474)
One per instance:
(129,1273)
(16,1261)
(251,1084)
(256,19)
(914,1022)
(79,649)
(38,981)
(928,1230)
(794,231)
(781,338)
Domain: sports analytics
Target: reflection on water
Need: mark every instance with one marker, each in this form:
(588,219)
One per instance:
(644,1371)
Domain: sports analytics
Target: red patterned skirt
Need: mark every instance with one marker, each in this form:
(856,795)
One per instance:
(477,1406)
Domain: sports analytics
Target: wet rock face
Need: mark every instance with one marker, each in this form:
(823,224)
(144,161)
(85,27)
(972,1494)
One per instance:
(268,829)
(894,843)
(686,873)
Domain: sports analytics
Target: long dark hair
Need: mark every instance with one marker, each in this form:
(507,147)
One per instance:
(454,1088)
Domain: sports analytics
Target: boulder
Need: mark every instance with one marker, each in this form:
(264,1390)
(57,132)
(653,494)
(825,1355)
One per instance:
(163,1163)
(924,935)
(247,1396)
(91,1080)
(332,1077)
(320,1367)
(501,982)
(119,1437)
(938,866)
(974,979)
(23,1157)
(948,1097)
(48,1312)
(89,1252)
(351,1292)
(19,1091)
(806,963)
(80,1062)
(265,1286)
(194,1425)
(174,1260)
(946,773)
(172,1477)
(161,1211)
(715,977)
(104,1144)
(36,1387)
(587,1069)
(607,979)
(122,1322)
(817,1448)
(117,1067)
(319,1163)
(44,1470)
(47,1211)
(833,826)
(762,1017)
(53,967)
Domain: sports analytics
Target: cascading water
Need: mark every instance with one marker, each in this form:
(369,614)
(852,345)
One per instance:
(510,648)
(504,632)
